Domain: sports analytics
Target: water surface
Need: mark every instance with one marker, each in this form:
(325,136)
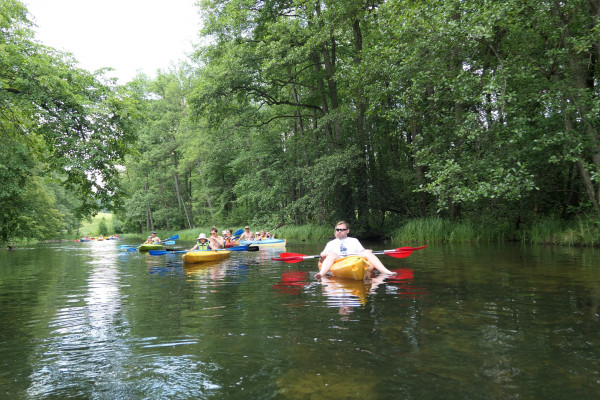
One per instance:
(86,320)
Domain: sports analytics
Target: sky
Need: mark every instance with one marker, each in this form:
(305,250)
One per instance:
(130,36)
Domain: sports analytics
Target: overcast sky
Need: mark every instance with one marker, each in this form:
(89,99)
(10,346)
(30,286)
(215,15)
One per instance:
(127,35)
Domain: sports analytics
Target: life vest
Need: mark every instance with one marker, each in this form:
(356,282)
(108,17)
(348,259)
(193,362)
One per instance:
(203,246)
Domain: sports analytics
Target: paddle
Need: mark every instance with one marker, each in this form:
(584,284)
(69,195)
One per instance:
(238,233)
(237,248)
(163,252)
(243,248)
(401,252)
(278,226)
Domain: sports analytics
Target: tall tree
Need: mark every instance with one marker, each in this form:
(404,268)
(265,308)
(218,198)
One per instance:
(57,119)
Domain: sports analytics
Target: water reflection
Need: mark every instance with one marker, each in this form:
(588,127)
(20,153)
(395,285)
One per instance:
(85,341)
(292,282)
(402,284)
(211,270)
(85,321)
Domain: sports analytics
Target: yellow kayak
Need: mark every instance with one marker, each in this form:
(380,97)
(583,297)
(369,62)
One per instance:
(353,267)
(192,257)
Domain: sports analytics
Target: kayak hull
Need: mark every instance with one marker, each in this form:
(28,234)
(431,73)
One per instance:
(351,267)
(264,242)
(146,247)
(194,257)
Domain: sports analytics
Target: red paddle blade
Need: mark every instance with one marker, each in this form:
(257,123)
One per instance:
(289,260)
(403,252)
(409,248)
(286,255)
(399,254)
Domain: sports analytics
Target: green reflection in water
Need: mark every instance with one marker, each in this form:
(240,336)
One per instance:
(88,321)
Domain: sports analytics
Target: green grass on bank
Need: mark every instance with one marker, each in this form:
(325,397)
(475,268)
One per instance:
(548,231)
(91,227)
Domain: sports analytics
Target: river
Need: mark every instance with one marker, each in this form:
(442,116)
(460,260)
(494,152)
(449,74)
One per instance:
(90,321)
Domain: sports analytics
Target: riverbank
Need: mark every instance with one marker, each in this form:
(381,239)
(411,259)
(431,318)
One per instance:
(550,231)
(580,232)
(583,232)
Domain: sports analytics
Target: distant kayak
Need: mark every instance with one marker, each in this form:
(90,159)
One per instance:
(198,256)
(264,242)
(146,247)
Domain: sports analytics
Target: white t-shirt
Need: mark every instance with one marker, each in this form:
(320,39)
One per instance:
(344,247)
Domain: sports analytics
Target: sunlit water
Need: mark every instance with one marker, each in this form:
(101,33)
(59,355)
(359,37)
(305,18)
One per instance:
(90,321)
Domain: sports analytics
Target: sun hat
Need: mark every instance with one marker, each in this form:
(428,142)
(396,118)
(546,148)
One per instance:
(201,236)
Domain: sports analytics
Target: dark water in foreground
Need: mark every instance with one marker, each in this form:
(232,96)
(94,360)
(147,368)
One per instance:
(86,321)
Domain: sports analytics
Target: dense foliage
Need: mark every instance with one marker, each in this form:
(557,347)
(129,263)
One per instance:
(62,131)
(311,111)
(375,112)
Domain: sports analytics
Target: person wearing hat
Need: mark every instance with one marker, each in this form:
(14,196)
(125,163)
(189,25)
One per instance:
(155,239)
(201,243)
(247,235)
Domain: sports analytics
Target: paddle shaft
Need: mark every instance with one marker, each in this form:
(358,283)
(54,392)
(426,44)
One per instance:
(400,252)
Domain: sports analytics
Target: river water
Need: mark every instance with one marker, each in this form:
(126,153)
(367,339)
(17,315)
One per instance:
(90,321)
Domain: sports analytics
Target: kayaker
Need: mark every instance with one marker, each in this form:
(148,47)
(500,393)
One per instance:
(343,246)
(229,238)
(201,243)
(155,239)
(247,235)
(149,240)
(216,241)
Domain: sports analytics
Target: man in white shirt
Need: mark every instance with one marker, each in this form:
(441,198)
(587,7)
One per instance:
(343,246)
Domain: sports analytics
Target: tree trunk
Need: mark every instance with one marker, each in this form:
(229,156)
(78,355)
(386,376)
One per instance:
(164,204)
(362,168)
(324,106)
(149,219)
(180,200)
(208,202)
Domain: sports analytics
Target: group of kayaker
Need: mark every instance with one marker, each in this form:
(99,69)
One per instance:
(260,235)
(341,246)
(214,242)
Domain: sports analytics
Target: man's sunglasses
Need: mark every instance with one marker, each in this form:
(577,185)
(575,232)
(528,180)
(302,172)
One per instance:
(341,230)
